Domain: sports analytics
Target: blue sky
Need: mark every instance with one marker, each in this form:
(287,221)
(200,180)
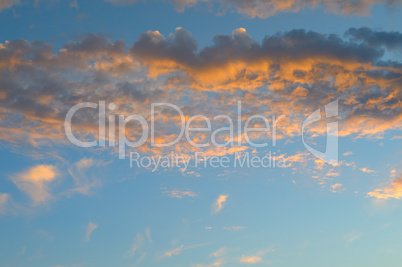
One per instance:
(66,205)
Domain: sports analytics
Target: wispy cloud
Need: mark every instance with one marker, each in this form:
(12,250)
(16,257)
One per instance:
(90,228)
(3,202)
(138,243)
(84,179)
(218,205)
(175,251)
(234,228)
(220,252)
(250,259)
(180,193)
(178,250)
(353,237)
(214,264)
(366,170)
(148,234)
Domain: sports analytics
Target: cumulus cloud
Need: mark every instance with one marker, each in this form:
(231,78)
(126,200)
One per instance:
(218,205)
(35,182)
(90,228)
(294,73)
(390,40)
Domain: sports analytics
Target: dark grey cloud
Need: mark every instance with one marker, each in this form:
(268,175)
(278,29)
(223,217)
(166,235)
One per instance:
(390,40)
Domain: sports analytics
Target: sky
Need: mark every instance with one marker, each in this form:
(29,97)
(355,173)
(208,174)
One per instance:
(200,133)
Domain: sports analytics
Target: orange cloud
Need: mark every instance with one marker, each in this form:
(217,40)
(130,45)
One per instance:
(394,190)
(250,259)
(218,205)
(35,182)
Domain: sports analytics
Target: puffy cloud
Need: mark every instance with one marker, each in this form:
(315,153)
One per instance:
(394,190)
(293,73)
(218,205)
(35,182)
(90,228)
(390,40)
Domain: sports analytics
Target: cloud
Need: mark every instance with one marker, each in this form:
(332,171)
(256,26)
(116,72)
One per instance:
(337,188)
(353,237)
(180,194)
(219,253)
(174,252)
(138,243)
(148,234)
(257,257)
(394,190)
(90,228)
(3,202)
(250,259)
(178,250)
(293,72)
(4,4)
(214,264)
(390,40)
(218,205)
(366,170)
(268,8)
(35,182)
(84,177)
(234,228)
